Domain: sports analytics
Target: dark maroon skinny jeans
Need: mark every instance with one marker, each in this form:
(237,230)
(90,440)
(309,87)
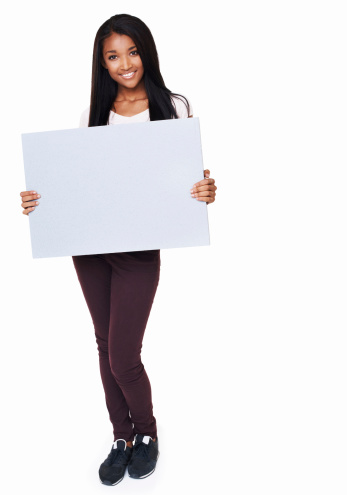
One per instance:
(119,290)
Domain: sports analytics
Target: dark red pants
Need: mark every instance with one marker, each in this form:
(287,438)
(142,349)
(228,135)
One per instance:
(119,289)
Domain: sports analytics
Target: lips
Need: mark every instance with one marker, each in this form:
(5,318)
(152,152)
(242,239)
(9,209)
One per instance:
(128,75)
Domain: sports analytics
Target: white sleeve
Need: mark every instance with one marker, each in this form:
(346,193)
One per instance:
(181,107)
(84,119)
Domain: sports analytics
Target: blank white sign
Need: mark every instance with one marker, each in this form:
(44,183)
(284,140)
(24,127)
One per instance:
(116,188)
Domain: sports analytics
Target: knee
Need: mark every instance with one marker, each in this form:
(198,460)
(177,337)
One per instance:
(102,346)
(125,372)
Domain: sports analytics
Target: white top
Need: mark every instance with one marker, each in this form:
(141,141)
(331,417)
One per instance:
(115,118)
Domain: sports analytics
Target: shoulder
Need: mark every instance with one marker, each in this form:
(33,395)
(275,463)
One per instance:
(84,118)
(181,106)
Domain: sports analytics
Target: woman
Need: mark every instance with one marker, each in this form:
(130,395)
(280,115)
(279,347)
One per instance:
(119,288)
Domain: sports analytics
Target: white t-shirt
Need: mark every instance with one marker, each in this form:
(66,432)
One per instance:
(115,118)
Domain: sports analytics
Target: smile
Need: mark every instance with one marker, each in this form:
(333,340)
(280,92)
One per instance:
(129,75)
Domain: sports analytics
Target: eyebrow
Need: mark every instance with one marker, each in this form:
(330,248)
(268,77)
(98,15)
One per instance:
(115,51)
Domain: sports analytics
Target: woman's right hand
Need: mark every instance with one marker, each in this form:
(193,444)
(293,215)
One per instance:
(29,201)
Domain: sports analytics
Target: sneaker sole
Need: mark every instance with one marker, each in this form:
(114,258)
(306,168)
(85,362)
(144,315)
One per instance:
(145,475)
(111,484)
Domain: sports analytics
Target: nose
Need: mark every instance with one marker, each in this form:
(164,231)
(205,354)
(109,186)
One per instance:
(125,63)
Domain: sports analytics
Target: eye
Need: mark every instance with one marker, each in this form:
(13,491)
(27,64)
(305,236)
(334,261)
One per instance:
(110,57)
(135,51)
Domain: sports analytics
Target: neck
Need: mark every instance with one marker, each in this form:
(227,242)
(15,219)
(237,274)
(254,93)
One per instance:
(132,94)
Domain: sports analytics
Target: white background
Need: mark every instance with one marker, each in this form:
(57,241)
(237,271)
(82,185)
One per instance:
(246,342)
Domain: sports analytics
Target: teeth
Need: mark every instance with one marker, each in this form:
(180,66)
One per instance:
(128,75)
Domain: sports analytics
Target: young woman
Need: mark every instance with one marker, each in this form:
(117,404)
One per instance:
(119,288)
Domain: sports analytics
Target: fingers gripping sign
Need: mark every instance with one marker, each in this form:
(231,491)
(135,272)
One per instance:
(28,201)
(204,190)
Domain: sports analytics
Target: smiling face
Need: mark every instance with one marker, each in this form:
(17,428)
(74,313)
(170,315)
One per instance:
(122,60)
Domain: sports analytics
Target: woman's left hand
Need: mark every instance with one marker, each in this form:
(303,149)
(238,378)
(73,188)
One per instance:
(205,190)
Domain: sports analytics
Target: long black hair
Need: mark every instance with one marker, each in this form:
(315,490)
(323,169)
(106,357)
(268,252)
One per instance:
(104,89)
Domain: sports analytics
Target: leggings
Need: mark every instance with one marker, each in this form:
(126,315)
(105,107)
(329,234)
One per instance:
(119,290)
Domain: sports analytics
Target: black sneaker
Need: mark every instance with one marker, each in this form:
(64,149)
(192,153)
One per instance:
(144,457)
(113,468)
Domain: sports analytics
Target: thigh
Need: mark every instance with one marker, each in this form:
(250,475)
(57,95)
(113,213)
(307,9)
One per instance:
(134,285)
(94,275)
(135,261)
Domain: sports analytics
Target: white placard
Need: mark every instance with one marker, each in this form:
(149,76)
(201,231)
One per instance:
(116,188)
